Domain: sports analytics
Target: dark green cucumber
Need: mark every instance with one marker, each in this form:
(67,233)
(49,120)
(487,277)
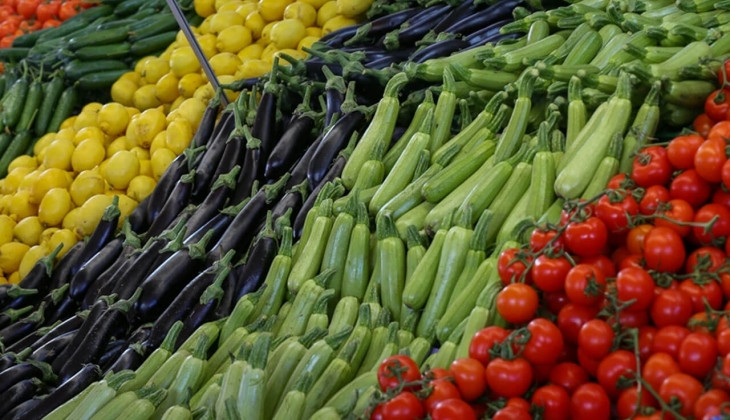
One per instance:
(66,104)
(51,94)
(100,80)
(153,25)
(153,43)
(30,107)
(13,54)
(5,139)
(61,31)
(105,37)
(17,146)
(77,68)
(101,52)
(92,13)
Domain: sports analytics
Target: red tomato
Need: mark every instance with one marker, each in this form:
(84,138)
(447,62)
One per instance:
(405,406)
(588,363)
(572,317)
(569,375)
(545,342)
(548,274)
(603,262)
(553,400)
(590,401)
(51,23)
(630,399)
(8,27)
(469,377)
(723,341)
(630,319)
(710,292)
(676,211)
(725,174)
(441,390)
(512,412)
(681,150)
(704,259)
(711,402)
(646,341)
(719,130)
(554,301)
(48,10)
(512,266)
(619,181)
(653,197)
(657,368)
(668,339)
(651,167)
(616,212)
(27,8)
(394,367)
(484,340)
(517,303)
(664,250)
(585,284)
(586,238)
(698,354)
(684,388)
(635,284)
(596,338)
(709,159)
(691,187)
(452,409)
(617,365)
(718,104)
(69,9)
(509,378)
(671,307)
(719,216)
(540,238)
(721,196)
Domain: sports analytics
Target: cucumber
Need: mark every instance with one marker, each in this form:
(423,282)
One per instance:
(102,79)
(77,68)
(95,38)
(152,25)
(153,43)
(100,52)
(13,54)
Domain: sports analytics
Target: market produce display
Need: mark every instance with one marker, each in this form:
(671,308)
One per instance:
(450,210)
(26,16)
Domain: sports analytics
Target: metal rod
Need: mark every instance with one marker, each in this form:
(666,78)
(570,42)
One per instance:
(185,27)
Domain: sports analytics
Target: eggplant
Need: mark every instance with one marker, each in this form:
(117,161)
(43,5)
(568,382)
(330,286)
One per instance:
(336,39)
(70,324)
(214,201)
(137,219)
(207,123)
(380,26)
(50,303)
(291,202)
(250,277)
(9,316)
(334,172)
(20,411)
(414,28)
(232,157)
(335,91)
(475,21)
(112,350)
(50,350)
(23,327)
(130,359)
(65,308)
(249,173)
(385,60)
(92,345)
(102,234)
(38,278)
(184,301)
(25,370)
(169,180)
(9,358)
(264,125)
(99,307)
(68,389)
(95,265)
(177,200)
(466,8)
(62,272)
(438,49)
(20,392)
(486,34)
(298,172)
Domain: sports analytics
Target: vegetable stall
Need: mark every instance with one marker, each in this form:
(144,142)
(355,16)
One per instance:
(382,209)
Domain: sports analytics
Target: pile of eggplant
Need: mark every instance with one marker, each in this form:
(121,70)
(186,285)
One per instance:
(253,168)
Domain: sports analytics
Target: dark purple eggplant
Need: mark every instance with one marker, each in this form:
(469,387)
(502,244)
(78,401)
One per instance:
(38,278)
(214,201)
(102,234)
(383,61)
(25,370)
(335,91)
(68,389)
(207,123)
(252,275)
(486,34)
(165,281)
(466,8)
(177,200)
(336,39)
(264,126)
(62,271)
(23,327)
(65,308)
(93,315)
(92,345)
(380,26)
(292,201)
(299,169)
(9,316)
(94,267)
(130,359)
(438,49)
(232,157)
(9,358)
(49,351)
(69,324)
(475,21)
(137,219)
(185,300)
(415,27)
(249,173)
(169,180)
(20,392)
(334,172)
(50,303)
(112,350)
(207,165)
(241,231)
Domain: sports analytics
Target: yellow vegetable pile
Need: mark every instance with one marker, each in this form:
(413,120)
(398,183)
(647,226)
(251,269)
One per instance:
(240,38)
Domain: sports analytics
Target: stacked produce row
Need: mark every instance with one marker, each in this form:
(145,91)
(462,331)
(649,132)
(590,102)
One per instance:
(426,191)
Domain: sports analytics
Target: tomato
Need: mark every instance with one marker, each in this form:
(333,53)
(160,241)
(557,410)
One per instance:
(698,354)
(652,198)
(30,25)
(590,401)
(68,9)
(8,27)
(517,303)
(574,213)
(710,402)
(681,150)
(630,399)
(646,341)
(704,259)
(452,409)
(721,196)
(684,388)
(554,301)
(635,284)
(51,23)
(512,412)
(48,10)
(26,8)
(709,159)
(671,307)
(709,292)
(512,266)
(541,237)
(596,338)
(405,406)
(719,130)
(394,367)
(484,340)
(572,317)
(664,250)
(569,375)
(717,104)
(691,187)
(509,378)
(548,274)
(441,390)
(723,341)
(553,400)
(545,342)
(676,210)
(586,238)
(616,212)
(630,319)
(651,167)
(657,368)
(585,284)
(469,377)
(725,174)
(617,365)
(668,339)
(719,215)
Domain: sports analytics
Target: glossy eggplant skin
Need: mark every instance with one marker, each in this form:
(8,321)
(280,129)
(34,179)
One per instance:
(64,392)
(296,137)
(332,143)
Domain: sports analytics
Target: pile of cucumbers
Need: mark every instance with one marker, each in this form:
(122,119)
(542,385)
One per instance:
(101,43)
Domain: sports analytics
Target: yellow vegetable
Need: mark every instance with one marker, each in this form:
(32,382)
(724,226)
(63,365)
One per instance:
(160,160)
(58,154)
(154,69)
(272,10)
(20,205)
(288,33)
(10,255)
(47,180)
(222,20)
(140,187)
(62,236)
(121,168)
(28,230)
(90,214)
(225,63)
(183,61)
(336,23)
(123,91)
(178,135)
(89,133)
(87,155)
(204,8)
(113,118)
(145,126)
(255,23)
(233,39)
(85,185)
(7,224)
(326,12)
(54,206)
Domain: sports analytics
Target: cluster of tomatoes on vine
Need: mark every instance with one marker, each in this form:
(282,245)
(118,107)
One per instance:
(635,285)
